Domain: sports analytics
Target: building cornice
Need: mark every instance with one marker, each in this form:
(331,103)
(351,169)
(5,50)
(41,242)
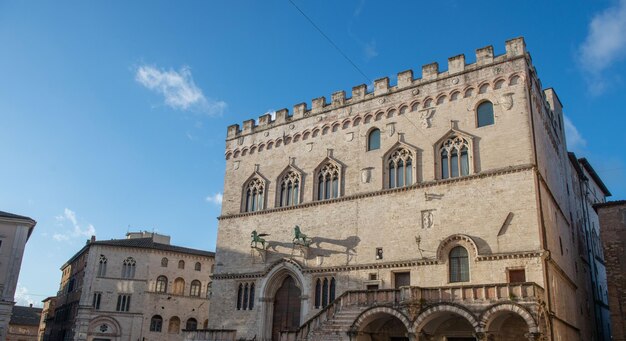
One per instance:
(386,265)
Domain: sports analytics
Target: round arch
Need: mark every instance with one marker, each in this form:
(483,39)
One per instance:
(104,326)
(490,314)
(443,318)
(455,240)
(370,314)
(435,311)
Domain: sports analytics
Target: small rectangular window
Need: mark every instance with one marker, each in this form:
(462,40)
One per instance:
(402,279)
(372,287)
(517,276)
(379,253)
(373,276)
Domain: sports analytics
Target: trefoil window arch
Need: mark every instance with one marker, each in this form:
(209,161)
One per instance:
(289,189)
(128,268)
(102,266)
(254,195)
(328,181)
(454,156)
(400,166)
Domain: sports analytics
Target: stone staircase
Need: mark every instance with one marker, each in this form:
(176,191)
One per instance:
(337,328)
(334,321)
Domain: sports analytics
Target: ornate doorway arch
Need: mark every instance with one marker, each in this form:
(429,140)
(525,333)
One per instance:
(287,305)
(283,291)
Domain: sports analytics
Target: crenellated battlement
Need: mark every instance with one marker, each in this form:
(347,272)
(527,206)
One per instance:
(430,72)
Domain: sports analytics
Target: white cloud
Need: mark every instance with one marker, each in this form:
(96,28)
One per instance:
(358,9)
(605,44)
(370,49)
(215,198)
(575,140)
(178,89)
(75,230)
(22,297)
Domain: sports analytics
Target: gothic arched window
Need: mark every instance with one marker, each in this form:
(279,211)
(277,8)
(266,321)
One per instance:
(400,165)
(454,154)
(198,266)
(373,140)
(328,181)
(254,195)
(164,262)
(161,284)
(459,265)
(181,264)
(102,266)
(128,268)
(194,290)
(484,114)
(289,189)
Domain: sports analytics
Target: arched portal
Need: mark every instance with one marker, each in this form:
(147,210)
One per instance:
(446,322)
(509,322)
(287,305)
(382,324)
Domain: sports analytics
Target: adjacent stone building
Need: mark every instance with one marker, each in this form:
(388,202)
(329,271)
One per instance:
(14,233)
(138,288)
(613,234)
(24,325)
(445,207)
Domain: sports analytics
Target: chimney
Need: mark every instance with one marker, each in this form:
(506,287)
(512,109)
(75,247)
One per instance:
(93,238)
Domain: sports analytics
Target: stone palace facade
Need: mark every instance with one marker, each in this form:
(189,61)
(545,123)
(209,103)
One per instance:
(445,207)
(138,288)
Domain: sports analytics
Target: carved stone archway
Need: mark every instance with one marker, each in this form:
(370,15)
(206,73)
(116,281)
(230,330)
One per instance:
(271,283)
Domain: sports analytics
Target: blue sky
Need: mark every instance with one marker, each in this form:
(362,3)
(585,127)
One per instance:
(113,115)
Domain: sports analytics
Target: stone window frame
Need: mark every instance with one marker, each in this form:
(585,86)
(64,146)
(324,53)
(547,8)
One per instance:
(460,272)
(102,266)
(413,154)
(493,112)
(368,147)
(258,181)
(246,293)
(472,152)
(195,288)
(156,323)
(290,173)
(324,290)
(160,284)
(128,268)
(321,167)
